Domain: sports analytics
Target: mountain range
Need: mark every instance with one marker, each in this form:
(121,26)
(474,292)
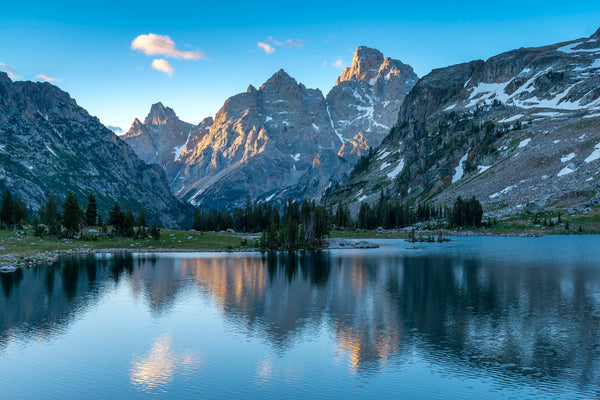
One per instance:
(280,140)
(519,131)
(48,144)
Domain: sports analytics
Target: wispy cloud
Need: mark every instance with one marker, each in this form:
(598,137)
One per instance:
(266,47)
(10,70)
(339,63)
(331,36)
(47,78)
(270,45)
(295,43)
(162,65)
(158,45)
(275,42)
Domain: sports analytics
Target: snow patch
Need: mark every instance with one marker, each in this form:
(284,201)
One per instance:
(566,170)
(568,157)
(270,197)
(394,173)
(547,114)
(483,168)
(595,154)
(459,171)
(315,127)
(363,198)
(383,155)
(296,156)
(179,149)
(503,191)
(511,119)
(384,166)
(450,107)
(49,149)
(524,143)
(570,48)
(268,118)
(488,91)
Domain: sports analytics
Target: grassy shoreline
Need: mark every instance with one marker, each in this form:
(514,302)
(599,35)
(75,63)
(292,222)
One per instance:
(20,247)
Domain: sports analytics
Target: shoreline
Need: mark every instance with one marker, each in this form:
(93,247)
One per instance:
(12,261)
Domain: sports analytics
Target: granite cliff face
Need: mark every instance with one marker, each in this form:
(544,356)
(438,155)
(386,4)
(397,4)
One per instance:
(48,144)
(366,98)
(280,140)
(261,140)
(160,138)
(520,129)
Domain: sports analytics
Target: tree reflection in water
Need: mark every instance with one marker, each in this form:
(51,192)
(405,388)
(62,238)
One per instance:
(529,322)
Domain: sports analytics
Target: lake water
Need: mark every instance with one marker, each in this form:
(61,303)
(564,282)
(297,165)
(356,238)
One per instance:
(473,318)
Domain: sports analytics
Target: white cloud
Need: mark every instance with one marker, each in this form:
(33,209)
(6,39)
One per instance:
(162,65)
(273,41)
(153,45)
(267,48)
(10,70)
(269,45)
(295,43)
(47,78)
(337,63)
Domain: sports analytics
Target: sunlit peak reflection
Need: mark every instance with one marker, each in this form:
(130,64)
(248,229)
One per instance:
(156,369)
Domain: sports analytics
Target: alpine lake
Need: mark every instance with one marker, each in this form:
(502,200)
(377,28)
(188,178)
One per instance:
(473,318)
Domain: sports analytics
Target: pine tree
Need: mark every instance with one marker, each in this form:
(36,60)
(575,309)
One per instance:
(51,215)
(7,212)
(72,214)
(155,232)
(128,224)
(141,220)
(91,212)
(116,218)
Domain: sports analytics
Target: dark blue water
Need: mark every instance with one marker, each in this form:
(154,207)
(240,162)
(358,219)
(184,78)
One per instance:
(470,319)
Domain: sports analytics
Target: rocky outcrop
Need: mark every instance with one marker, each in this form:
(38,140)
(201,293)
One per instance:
(48,144)
(367,97)
(160,138)
(519,128)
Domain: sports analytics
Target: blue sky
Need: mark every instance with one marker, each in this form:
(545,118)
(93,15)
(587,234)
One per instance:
(215,50)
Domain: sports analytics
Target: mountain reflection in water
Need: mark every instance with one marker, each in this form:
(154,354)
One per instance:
(518,322)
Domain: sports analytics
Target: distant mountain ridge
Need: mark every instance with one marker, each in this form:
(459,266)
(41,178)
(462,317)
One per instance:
(280,140)
(519,131)
(48,144)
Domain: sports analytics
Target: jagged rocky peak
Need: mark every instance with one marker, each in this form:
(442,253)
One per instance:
(136,123)
(596,35)
(159,139)
(4,78)
(376,87)
(279,80)
(159,114)
(206,122)
(365,65)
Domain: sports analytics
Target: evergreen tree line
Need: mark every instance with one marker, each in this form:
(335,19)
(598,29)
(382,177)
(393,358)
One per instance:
(391,214)
(67,219)
(254,217)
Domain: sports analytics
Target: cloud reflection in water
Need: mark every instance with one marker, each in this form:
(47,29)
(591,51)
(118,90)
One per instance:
(157,368)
